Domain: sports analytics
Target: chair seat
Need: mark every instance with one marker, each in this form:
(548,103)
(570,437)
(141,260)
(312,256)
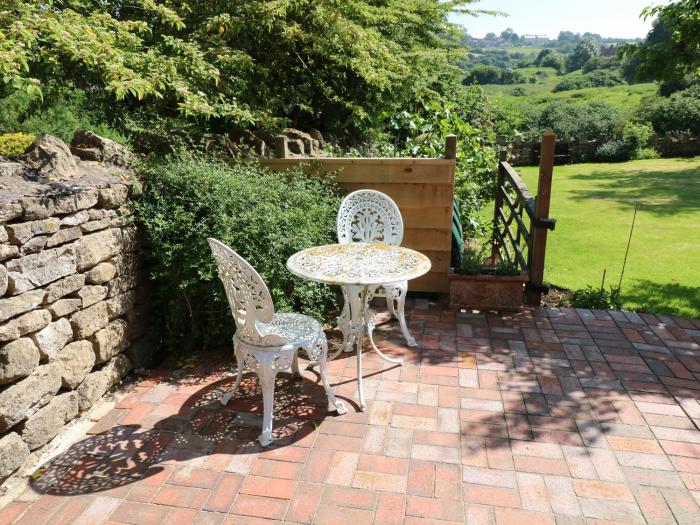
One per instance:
(298,329)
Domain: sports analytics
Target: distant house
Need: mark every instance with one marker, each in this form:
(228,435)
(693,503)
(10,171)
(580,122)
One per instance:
(608,51)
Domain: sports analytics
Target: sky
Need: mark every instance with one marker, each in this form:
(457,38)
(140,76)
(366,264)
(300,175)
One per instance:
(609,18)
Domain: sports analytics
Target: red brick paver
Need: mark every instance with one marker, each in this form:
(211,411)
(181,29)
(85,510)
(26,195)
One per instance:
(553,416)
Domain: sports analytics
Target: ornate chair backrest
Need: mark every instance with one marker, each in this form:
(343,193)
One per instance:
(247,293)
(369,216)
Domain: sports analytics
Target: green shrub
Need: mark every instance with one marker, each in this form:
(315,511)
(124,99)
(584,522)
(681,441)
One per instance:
(264,216)
(613,151)
(13,144)
(472,261)
(636,137)
(570,121)
(598,78)
(597,298)
(648,154)
(679,112)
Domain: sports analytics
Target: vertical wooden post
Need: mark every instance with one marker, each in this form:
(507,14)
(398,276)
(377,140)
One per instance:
(281,151)
(497,205)
(451,147)
(537,251)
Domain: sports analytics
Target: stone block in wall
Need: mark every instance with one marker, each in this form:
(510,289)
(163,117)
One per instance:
(126,263)
(21,232)
(93,226)
(114,196)
(76,219)
(86,322)
(53,338)
(75,362)
(17,360)
(19,304)
(97,247)
(3,234)
(65,307)
(99,382)
(33,245)
(9,211)
(13,452)
(63,236)
(123,283)
(22,399)
(81,200)
(48,421)
(32,271)
(120,304)
(7,251)
(110,341)
(100,274)
(130,239)
(24,324)
(66,286)
(91,294)
(4,280)
(36,208)
(140,353)
(95,214)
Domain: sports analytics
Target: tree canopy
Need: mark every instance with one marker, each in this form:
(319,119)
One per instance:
(671,51)
(335,64)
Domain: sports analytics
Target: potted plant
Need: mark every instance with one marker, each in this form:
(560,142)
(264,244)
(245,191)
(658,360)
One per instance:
(483,284)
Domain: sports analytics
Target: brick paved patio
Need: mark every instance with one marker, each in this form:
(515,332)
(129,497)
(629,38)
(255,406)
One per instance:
(547,416)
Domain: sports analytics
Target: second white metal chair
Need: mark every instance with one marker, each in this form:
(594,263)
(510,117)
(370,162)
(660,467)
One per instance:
(265,341)
(371,216)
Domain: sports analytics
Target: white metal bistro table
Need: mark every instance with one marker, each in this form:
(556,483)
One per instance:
(357,267)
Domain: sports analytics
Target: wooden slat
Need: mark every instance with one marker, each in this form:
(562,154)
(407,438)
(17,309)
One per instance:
(440,261)
(514,180)
(431,282)
(427,217)
(410,195)
(427,239)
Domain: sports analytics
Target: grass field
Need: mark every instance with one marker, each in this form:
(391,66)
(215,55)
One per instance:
(594,205)
(626,98)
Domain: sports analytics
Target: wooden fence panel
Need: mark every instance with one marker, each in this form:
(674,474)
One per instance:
(423,189)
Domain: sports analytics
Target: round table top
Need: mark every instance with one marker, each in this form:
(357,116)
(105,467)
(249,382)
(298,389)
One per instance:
(358,263)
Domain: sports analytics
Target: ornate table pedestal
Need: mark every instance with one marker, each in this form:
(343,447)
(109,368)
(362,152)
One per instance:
(359,268)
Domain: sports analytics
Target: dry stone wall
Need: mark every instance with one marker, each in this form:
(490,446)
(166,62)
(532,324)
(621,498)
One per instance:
(72,308)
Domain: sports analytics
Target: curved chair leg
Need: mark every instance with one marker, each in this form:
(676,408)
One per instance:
(240,364)
(397,292)
(322,359)
(266,374)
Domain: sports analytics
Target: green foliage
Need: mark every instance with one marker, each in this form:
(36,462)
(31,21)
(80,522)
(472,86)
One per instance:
(570,121)
(58,113)
(598,78)
(636,137)
(600,63)
(597,298)
(585,50)
(550,58)
(506,267)
(482,74)
(14,144)
(337,66)
(613,151)
(472,261)
(648,154)
(670,51)
(264,216)
(679,112)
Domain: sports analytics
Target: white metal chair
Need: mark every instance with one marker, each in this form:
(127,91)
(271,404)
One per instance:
(265,341)
(371,216)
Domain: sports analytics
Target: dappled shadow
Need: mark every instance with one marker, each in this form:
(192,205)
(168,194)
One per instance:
(658,192)
(656,297)
(127,453)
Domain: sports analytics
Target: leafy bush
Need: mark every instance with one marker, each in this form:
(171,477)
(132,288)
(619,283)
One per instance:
(597,298)
(613,151)
(570,121)
(264,216)
(636,137)
(679,112)
(599,62)
(598,78)
(58,113)
(13,144)
(472,261)
(648,154)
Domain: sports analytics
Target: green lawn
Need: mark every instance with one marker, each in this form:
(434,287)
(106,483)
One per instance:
(594,205)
